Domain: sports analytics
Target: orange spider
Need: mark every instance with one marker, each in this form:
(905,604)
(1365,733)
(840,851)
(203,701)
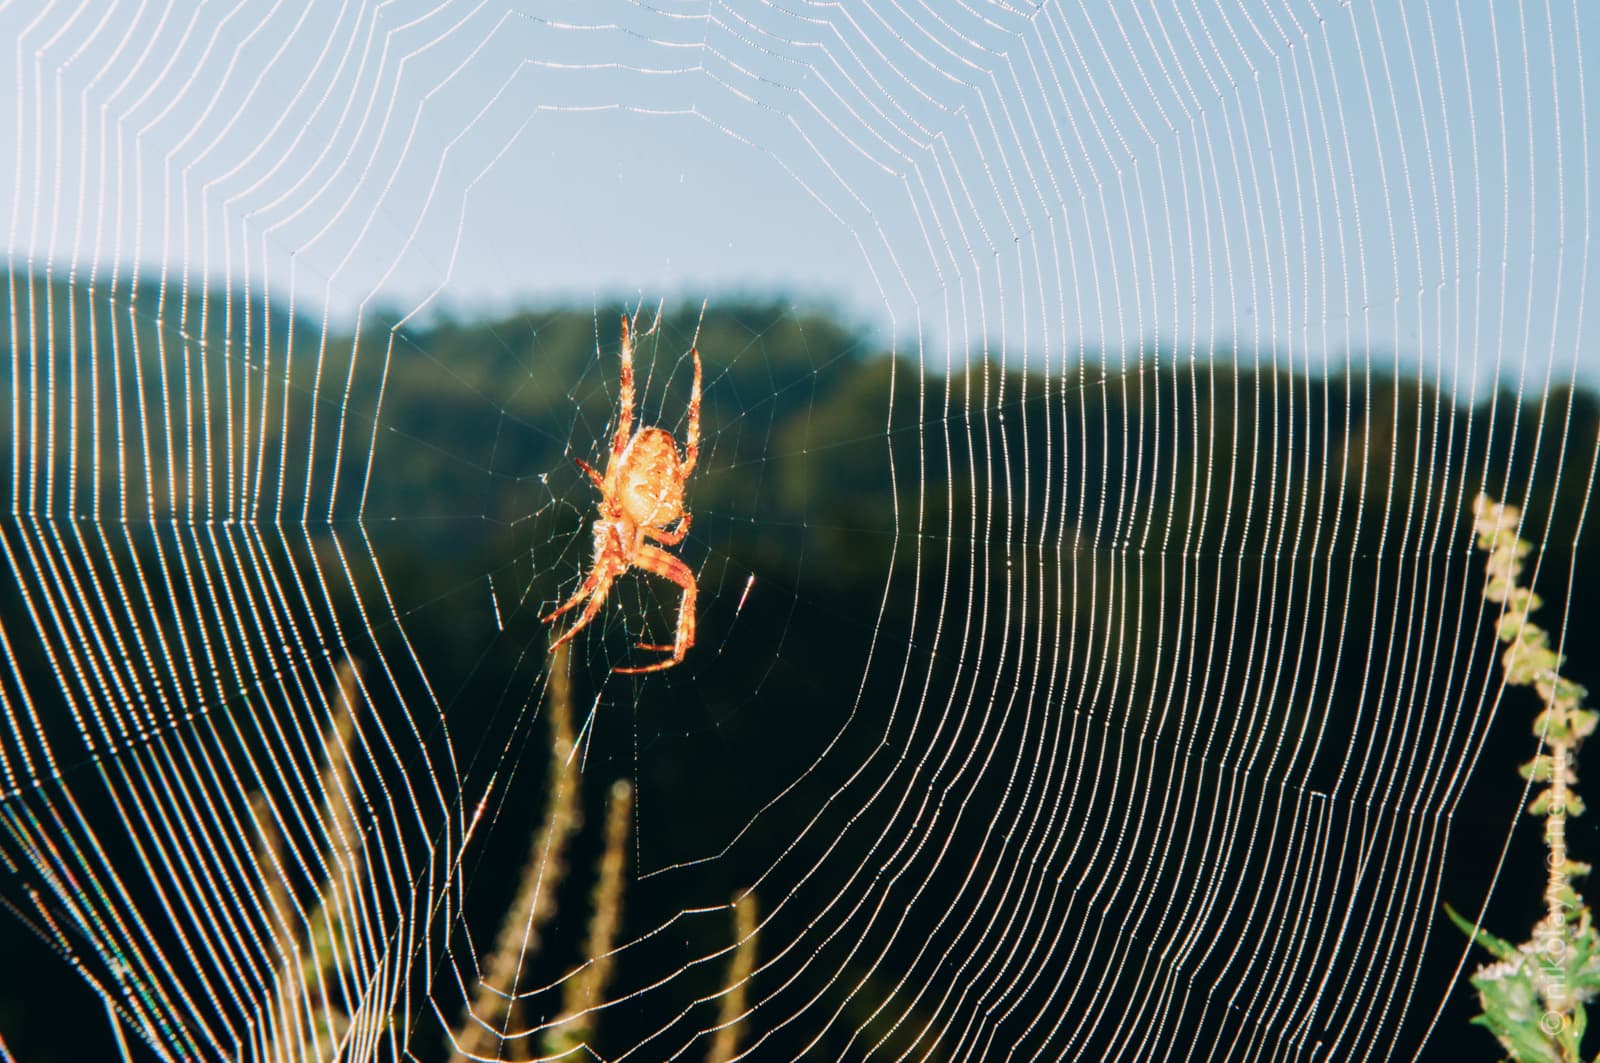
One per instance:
(640,495)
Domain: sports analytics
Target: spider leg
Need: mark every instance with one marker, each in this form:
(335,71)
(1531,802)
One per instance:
(619,441)
(596,599)
(586,467)
(658,561)
(670,538)
(691,446)
(585,590)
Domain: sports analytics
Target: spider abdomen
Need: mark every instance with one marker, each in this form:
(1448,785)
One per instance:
(649,484)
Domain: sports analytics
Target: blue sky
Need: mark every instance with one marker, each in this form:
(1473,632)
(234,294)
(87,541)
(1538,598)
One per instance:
(1291,181)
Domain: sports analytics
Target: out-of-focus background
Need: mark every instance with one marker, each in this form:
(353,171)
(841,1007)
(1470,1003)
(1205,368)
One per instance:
(1092,658)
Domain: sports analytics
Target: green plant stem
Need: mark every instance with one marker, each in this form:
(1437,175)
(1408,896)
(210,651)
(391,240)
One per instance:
(1533,996)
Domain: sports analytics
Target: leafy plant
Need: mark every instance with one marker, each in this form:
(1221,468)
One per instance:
(1534,995)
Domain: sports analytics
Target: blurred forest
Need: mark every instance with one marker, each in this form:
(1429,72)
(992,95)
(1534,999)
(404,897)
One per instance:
(1031,541)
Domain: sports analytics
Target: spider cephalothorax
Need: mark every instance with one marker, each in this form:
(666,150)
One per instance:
(641,495)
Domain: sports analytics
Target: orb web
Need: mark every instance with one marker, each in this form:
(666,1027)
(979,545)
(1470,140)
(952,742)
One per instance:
(1091,657)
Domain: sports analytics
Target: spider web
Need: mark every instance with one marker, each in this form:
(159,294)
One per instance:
(1092,660)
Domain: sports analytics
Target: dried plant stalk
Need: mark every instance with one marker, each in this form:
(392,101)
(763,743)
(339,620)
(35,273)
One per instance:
(587,984)
(305,1019)
(483,1029)
(731,1013)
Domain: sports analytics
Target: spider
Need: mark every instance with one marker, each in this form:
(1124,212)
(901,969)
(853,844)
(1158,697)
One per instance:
(641,494)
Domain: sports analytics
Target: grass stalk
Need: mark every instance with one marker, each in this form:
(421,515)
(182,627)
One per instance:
(483,1030)
(586,986)
(734,1007)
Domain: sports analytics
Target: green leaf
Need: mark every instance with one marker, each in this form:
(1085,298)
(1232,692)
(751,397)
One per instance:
(1512,1005)
(1543,804)
(1500,587)
(1584,720)
(1510,625)
(1570,901)
(1571,1036)
(1540,769)
(1526,660)
(1501,949)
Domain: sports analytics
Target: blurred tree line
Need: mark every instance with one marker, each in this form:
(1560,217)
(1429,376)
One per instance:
(872,536)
